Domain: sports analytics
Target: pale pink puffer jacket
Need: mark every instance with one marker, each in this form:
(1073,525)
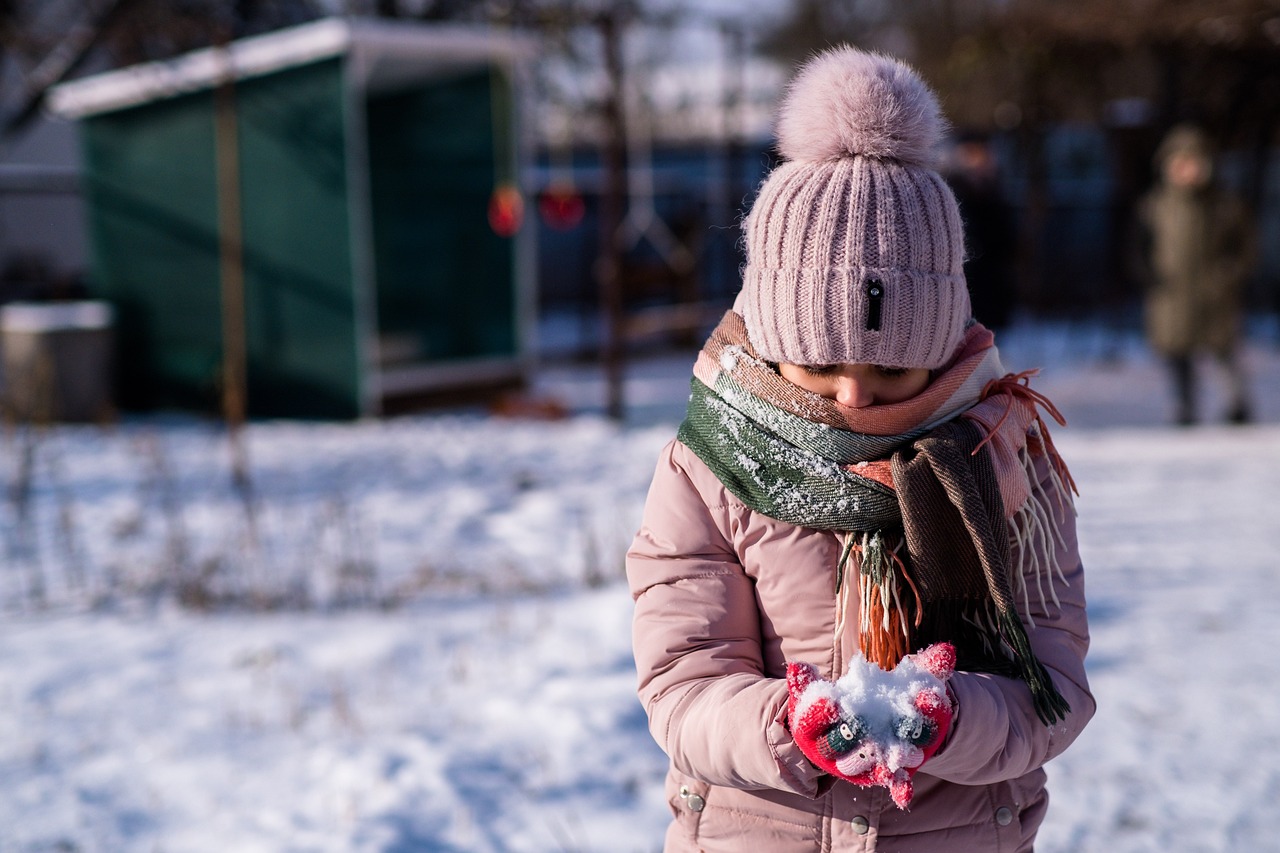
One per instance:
(725,596)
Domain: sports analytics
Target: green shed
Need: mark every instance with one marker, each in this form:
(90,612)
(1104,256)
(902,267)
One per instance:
(369,155)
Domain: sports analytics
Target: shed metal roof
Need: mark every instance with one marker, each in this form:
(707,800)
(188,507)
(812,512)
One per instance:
(384,50)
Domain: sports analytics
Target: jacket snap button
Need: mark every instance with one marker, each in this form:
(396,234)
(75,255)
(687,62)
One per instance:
(696,803)
(1004,816)
(860,825)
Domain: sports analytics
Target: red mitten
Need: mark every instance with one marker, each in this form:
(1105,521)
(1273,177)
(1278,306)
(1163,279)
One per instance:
(873,727)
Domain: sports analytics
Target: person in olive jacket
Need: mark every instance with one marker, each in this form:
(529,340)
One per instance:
(859,603)
(1198,248)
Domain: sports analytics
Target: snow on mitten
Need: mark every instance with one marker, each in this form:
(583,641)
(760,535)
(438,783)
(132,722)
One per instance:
(872,727)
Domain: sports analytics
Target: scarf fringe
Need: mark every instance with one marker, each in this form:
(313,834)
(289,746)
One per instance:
(885,623)
(1035,538)
(1017,387)
(986,624)
(1049,704)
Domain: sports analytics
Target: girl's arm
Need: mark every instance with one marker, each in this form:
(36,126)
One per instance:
(996,734)
(698,647)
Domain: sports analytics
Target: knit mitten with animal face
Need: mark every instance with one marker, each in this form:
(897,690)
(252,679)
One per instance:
(872,727)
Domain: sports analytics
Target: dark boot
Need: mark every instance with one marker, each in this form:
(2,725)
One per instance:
(1239,414)
(1240,411)
(1184,389)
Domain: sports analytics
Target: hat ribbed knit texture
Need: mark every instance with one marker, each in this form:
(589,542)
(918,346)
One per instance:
(852,257)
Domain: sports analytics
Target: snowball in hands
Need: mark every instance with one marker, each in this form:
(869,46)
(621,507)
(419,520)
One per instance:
(873,727)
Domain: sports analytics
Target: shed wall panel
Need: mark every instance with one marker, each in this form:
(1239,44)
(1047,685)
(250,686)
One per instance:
(300,293)
(445,279)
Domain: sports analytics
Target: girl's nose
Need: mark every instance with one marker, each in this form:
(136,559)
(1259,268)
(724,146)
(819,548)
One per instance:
(854,392)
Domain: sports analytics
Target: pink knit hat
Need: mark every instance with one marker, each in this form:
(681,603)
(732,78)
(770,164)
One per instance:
(855,249)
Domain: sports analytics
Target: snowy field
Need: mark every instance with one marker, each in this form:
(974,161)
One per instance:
(447,667)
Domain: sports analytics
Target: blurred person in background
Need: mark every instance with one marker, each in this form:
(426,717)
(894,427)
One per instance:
(1195,251)
(989,228)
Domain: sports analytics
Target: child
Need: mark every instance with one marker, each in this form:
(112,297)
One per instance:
(858,557)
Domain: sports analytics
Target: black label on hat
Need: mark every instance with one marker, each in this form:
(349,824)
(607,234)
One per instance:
(875,292)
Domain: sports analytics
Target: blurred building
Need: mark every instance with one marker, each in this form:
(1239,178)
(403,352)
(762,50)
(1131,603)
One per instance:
(374,166)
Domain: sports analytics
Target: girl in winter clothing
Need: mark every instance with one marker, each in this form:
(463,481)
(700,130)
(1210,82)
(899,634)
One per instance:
(860,619)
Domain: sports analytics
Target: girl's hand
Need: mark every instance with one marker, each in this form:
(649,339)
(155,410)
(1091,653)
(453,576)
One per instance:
(872,727)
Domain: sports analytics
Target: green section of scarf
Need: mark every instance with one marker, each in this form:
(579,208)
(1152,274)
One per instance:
(951,584)
(785,466)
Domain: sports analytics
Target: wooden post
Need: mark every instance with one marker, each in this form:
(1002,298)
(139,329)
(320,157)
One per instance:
(231,274)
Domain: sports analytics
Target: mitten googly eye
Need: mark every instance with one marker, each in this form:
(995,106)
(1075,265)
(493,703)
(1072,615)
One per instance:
(918,731)
(845,736)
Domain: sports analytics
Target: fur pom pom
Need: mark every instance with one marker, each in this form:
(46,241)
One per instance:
(845,102)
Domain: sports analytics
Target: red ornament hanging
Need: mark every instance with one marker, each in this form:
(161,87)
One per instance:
(561,206)
(506,210)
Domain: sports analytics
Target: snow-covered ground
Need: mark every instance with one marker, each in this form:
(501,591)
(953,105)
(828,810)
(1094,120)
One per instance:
(460,678)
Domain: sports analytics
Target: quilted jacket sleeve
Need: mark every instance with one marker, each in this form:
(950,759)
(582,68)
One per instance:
(698,648)
(996,734)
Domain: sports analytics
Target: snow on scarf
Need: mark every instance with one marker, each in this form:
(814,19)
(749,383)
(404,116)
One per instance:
(903,477)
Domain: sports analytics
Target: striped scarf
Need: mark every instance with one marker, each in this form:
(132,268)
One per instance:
(927,513)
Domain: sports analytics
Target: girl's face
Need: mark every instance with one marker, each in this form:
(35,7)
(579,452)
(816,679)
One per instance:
(858,385)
